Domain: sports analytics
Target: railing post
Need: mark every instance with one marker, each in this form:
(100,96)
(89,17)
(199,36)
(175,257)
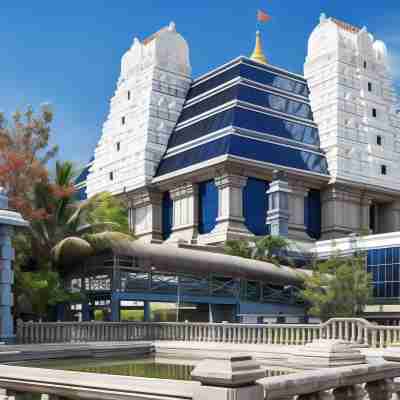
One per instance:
(228,377)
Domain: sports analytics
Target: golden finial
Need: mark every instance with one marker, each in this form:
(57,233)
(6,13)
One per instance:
(258,54)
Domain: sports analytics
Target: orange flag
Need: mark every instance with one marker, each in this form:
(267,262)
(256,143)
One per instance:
(262,16)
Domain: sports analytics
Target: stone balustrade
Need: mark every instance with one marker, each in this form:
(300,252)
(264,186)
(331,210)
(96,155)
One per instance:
(355,330)
(218,378)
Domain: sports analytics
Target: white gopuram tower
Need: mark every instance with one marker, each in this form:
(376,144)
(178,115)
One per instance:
(151,90)
(354,104)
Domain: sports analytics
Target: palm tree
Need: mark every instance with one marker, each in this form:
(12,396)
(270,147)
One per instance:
(268,248)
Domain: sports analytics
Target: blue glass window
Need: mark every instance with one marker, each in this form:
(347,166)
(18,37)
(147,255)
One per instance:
(208,206)
(312,213)
(246,119)
(272,79)
(80,194)
(247,148)
(250,95)
(255,206)
(254,72)
(167,210)
(385,269)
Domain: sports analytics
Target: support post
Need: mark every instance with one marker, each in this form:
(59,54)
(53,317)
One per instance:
(115,308)
(278,213)
(147,311)
(8,220)
(228,377)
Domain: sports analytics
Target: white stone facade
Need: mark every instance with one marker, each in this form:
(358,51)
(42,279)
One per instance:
(354,104)
(151,90)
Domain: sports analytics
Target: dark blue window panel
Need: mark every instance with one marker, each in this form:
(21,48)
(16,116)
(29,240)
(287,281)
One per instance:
(249,95)
(396,275)
(270,100)
(257,73)
(396,255)
(381,272)
(167,210)
(82,176)
(214,82)
(375,273)
(208,206)
(248,148)
(80,194)
(255,206)
(396,289)
(381,256)
(246,119)
(260,122)
(202,128)
(369,258)
(389,272)
(269,78)
(312,213)
(209,103)
(388,289)
(389,256)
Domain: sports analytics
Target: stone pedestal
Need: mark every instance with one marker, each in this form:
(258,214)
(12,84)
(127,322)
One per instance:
(230,220)
(326,353)
(185,213)
(228,377)
(8,220)
(145,207)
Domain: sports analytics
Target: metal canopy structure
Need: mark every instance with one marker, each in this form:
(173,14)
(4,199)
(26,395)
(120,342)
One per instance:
(171,258)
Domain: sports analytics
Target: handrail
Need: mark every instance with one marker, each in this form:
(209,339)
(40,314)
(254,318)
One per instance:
(357,330)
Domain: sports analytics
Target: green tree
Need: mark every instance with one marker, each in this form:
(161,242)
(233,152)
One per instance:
(338,287)
(268,248)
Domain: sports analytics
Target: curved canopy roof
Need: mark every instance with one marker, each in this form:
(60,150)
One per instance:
(166,257)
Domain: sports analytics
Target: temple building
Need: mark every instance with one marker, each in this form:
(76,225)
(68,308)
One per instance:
(250,149)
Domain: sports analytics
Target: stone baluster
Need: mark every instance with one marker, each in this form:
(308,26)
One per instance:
(228,377)
(355,392)
(381,333)
(346,330)
(380,390)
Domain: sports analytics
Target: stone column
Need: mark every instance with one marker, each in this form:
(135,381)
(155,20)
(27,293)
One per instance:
(230,220)
(145,215)
(185,215)
(278,213)
(8,220)
(228,377)
(297,201)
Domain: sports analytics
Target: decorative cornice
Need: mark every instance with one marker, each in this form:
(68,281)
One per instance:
(188,189)
(230,180)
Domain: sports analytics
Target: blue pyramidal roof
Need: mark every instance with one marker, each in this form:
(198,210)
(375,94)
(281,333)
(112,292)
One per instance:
(248,111)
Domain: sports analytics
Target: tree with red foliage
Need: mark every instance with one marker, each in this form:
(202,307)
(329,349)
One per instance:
(24,153)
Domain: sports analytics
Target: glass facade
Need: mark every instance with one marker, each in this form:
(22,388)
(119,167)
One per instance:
(246,148)
(251,95)
(255,72)
(246,119)
(384,267)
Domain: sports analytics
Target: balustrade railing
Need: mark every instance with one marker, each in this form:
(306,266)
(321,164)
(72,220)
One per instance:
(355,330)
(365,381)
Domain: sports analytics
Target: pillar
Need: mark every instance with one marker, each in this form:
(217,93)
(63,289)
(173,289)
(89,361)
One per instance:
(145,211)
(147,311)
(230,220)
(297,202)
(278,213)
(185,214)
(115,307)
(8,220)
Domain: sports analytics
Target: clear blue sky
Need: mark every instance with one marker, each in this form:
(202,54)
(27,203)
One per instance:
(68,52)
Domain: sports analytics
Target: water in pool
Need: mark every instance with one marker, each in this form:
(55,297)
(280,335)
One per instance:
(151,367)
